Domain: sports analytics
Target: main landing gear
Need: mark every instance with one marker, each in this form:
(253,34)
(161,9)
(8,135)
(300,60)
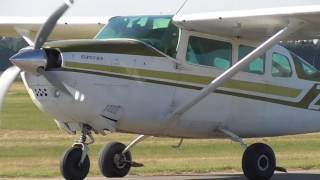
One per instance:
(258,161)
(114,163)
(115,158)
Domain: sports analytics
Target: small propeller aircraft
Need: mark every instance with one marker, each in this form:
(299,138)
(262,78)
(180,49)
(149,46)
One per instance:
(191,75)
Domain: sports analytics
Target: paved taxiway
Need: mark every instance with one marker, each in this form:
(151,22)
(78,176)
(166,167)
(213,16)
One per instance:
(306,175)
(293,176)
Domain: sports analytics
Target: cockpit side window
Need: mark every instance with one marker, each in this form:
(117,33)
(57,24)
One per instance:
(281,66)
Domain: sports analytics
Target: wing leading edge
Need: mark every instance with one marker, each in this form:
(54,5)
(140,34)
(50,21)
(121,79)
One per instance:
(67,28)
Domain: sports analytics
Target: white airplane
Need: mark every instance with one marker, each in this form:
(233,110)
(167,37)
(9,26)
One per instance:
(189,75)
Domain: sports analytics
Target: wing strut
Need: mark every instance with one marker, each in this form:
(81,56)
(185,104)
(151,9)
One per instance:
(173,118)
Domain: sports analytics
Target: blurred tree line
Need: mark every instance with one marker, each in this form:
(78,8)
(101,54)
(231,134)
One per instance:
(8,47)
(308,50)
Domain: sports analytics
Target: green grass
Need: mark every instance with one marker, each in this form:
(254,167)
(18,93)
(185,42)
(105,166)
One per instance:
(31,146)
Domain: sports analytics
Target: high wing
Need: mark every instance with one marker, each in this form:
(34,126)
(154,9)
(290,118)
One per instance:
(67,28)
(83,21)
(255,24)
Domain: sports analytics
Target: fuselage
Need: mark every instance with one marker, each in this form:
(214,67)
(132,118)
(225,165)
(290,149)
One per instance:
(131,82)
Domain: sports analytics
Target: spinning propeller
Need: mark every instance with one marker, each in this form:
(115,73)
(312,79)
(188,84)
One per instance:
(33,59)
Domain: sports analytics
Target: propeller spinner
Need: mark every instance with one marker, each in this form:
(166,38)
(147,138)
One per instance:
(33,59)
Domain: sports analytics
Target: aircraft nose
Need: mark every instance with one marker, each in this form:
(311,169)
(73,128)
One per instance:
(29,59)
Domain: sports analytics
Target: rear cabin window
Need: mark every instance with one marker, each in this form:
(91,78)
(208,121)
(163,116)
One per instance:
(304,69)
(209,52)
(281,66)
(257,65)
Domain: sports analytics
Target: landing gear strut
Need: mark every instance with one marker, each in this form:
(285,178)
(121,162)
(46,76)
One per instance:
(75,163)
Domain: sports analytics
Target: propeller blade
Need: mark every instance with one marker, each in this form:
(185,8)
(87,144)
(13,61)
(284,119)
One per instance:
(54,81)
(28,40)
(6,80)
(49,25)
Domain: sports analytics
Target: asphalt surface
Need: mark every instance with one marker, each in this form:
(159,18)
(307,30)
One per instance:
(295,176)
(314,175)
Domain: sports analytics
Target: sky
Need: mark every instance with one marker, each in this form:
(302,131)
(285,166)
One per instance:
(34,8)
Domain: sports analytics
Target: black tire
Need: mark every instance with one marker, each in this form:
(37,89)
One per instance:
(109,164)
(69,164)
(258,162)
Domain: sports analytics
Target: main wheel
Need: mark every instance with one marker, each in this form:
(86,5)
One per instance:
(112,162)
(70,166)
(258,162)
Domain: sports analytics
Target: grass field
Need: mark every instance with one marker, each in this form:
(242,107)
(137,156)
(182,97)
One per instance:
(31,146)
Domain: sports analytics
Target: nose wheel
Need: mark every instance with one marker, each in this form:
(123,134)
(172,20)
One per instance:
(75,162)
(71,167)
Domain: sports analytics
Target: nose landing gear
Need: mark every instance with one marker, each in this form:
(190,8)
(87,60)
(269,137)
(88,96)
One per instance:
(70,167)
(75,163)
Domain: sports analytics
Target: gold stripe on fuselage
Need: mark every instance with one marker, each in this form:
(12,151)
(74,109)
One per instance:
(189,78)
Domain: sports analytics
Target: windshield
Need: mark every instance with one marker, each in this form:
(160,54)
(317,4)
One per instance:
(157,31)
(304,69)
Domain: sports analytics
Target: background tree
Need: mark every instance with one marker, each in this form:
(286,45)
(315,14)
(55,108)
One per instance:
(308,50)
